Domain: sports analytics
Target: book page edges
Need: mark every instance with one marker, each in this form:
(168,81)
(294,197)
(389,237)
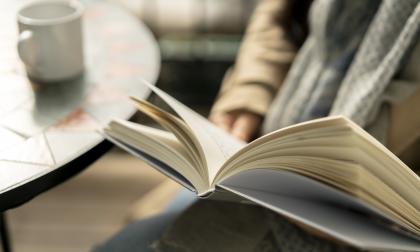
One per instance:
(155,163)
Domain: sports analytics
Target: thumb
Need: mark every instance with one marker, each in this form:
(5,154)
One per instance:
(223,120)
(245,126)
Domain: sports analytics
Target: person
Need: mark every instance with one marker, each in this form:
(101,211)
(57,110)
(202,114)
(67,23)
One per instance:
(340,70)
(301,60)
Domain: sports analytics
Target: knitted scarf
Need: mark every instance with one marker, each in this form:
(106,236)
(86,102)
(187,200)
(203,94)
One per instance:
(354,49)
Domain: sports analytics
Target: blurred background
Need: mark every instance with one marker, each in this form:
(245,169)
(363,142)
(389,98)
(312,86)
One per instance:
(198,40)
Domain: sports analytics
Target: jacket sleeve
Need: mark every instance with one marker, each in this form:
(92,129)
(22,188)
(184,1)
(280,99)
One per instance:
(264,58)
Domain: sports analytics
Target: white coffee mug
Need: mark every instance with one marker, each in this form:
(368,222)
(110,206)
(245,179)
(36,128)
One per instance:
(50,40)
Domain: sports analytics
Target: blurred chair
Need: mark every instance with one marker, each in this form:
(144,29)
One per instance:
(192,16)
(199,40)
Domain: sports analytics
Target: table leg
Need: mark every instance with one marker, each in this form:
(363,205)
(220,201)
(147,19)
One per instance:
(4,235)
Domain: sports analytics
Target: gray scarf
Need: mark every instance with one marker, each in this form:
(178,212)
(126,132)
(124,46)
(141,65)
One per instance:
(354,49)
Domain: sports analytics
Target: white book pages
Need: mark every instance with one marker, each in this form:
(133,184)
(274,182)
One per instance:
(218,146)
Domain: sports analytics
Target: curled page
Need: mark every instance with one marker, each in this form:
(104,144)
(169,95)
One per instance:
(217,145)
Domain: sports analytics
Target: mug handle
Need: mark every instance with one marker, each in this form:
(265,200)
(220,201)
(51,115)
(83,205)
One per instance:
(26,48)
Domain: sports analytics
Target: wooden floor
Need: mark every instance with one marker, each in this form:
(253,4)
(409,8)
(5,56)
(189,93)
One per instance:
(83,211)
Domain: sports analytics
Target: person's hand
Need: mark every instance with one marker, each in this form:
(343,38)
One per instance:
(241,124)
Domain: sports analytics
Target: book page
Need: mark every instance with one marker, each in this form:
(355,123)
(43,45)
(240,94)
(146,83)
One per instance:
(218,146)
(329,150)
(155,144)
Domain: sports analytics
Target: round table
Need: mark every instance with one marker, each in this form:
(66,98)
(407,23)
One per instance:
(50,132)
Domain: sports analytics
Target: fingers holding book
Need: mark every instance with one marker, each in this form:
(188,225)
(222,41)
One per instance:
(241,124)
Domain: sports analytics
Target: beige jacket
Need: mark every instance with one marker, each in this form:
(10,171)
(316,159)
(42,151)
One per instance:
(267,51)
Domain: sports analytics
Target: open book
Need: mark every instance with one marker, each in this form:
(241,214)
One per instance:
(327,173)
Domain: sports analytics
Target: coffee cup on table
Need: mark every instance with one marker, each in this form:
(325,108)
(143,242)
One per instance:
(50,42)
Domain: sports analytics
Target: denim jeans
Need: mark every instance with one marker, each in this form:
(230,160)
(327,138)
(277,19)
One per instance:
(190,225)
